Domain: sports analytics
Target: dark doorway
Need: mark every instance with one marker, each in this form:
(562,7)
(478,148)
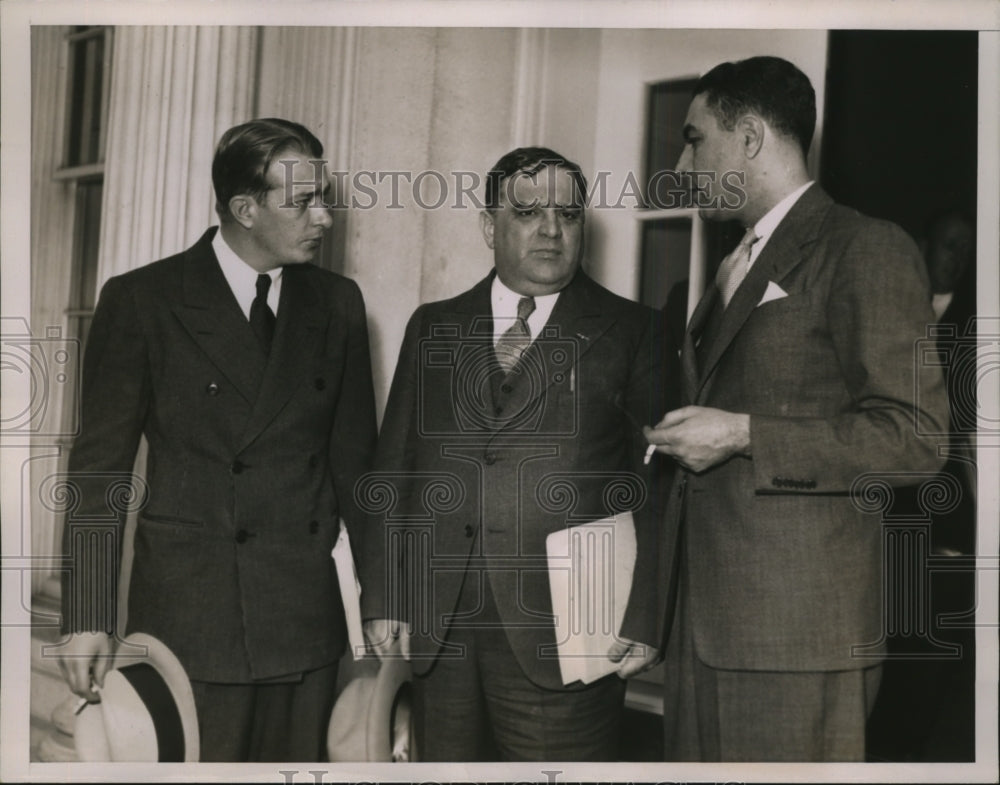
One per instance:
(899,137)
(900,143)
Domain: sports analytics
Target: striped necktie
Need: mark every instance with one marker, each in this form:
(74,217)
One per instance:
(517,337)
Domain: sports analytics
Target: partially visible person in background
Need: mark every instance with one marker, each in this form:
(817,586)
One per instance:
(926,708)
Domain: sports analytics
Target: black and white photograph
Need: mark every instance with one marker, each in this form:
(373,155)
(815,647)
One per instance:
(475,391)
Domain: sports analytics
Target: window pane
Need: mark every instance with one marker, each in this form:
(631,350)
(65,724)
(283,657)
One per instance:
(668,104)
(85,100)
(88,223)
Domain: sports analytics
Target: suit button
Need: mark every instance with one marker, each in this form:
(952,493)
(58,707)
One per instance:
(320,384)
(313,527)
(498,411)
(505,388)
(468,530)
(212,389)
(242,535)
(490,458)
(313,461)
(237,467)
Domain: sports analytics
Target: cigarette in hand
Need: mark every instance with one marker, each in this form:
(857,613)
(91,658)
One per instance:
(82,703)
(649,454)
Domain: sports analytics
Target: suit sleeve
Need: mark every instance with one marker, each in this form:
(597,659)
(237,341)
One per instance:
(352,438)
(114,398)
(877,310)
(394,460)
(653,389)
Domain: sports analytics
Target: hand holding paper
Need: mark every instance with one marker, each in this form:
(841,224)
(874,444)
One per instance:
(590,579)
(633,657)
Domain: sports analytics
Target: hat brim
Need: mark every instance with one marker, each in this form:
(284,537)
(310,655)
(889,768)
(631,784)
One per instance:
(361,724)
(139,647)
(392,676)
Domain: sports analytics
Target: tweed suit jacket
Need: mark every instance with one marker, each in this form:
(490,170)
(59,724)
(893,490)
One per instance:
(474,478)
(783,565)
(251,461)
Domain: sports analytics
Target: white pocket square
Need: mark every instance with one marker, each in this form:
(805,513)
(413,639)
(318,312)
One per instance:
(774,292)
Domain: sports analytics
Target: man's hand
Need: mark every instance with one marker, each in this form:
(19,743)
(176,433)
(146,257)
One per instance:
(701,438)
(387,636)
(84,660)
(634,657)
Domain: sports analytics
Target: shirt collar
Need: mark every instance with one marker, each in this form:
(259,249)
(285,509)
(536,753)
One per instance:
(504,302)
(765,227)
(242,278)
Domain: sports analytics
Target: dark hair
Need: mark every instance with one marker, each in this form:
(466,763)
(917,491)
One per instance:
(770,87)
(935,220)
(245,153)
(529,160)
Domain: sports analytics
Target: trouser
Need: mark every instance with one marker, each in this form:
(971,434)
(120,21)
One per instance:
(266,721)
(482,706)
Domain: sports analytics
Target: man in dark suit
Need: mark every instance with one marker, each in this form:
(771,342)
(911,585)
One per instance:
(800,380)
(248,372)
(515,411)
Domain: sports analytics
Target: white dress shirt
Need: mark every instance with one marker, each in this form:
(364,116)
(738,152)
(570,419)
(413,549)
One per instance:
(765,227)
(504,302)
(242,278)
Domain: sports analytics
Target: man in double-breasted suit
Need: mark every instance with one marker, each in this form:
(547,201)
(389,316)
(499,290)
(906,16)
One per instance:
(247,370)
(800,379)
(516,410)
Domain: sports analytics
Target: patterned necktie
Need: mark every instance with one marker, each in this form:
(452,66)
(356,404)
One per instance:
(517,337)
(261,315)
(734,268)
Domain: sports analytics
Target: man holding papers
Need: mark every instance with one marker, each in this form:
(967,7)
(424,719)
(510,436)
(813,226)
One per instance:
(516,411)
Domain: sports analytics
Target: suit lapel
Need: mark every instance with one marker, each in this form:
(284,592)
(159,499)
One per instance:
(692,335)
(576,317)
(784,251)
(211,315)
(472,315)
(298,333)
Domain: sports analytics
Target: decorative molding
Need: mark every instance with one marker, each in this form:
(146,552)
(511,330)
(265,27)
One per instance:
(528,117)
(174,90)
(289,56)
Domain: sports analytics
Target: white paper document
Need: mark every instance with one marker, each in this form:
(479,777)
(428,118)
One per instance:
(350,590)
(590,577)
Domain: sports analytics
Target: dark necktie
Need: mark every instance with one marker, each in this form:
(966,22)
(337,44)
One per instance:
(261,315)
(517,337)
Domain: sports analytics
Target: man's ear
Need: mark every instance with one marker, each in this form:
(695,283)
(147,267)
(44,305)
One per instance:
(243,208)
(486,226)
(751,129)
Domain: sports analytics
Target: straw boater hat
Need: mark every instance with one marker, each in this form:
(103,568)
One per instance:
(146,713)
(371,719)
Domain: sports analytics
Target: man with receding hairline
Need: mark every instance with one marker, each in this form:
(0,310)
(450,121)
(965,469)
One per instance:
(799,378)
(526,396)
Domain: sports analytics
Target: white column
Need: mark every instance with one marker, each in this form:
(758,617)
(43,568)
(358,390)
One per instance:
(310,78)
(174,90)
(528,116)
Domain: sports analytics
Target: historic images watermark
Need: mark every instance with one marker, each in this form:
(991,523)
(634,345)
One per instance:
(429,189)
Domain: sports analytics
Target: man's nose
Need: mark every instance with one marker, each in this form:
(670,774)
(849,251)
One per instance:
(322,215)
(550,223)
(684,162)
